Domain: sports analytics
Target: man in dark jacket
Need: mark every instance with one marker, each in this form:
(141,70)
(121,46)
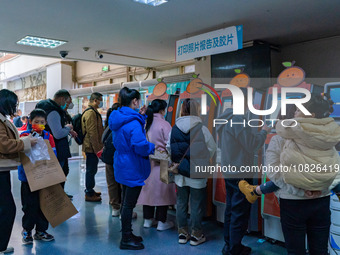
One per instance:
(238,144)
(56,123)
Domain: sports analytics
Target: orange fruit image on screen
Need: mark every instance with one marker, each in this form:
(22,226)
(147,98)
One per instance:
(160,89)
(241,80)
(292,76)
(195,85)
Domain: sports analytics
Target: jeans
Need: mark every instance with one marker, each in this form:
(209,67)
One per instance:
(91,170)
(7,209)
(129,201)
(307,216)
(161,212)
(33,216)
(114,189)
(236,216)
(197,209)
(268,187)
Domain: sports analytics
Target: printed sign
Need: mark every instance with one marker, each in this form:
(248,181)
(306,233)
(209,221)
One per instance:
(219,41)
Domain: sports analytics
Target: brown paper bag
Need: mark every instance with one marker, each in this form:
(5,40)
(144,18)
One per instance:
(44,173)
(55,205)
(166,176)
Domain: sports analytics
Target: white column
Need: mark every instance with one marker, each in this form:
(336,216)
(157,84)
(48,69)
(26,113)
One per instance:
(58,76)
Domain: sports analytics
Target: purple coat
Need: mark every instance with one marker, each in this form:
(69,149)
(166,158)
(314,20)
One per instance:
(155,192)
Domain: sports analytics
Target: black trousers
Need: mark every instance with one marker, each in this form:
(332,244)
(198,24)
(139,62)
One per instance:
(161,212)
(7,209)
(129,201)
(33,216)
(66,170)
(91,171)
(236,216)
(301,217)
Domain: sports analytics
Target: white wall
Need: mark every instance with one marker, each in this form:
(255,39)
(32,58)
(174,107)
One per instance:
(58,76)
(23,63)
(86,68)
(203,68)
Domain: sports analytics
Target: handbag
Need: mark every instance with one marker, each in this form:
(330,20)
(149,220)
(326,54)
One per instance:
(160,155)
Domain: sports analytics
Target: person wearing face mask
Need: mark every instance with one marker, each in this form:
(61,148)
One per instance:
(156,196)
(33,216)
(10,146)
(57,122)
(92,127)
(131,159)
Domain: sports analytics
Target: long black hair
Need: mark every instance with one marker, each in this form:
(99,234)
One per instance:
(126,95)
(114,107)
(319,106)
(156,106)
(8,102)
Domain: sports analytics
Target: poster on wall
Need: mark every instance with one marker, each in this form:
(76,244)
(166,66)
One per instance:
(215,42)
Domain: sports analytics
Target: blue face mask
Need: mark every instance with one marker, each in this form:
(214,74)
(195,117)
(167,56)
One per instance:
(64,106)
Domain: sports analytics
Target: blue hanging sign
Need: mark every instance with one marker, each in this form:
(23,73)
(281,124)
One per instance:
(215,42)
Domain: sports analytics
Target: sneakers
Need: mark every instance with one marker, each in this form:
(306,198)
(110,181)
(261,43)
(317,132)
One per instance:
(26,237)
(165,225)
(249,191)
(197,240)
(93,198)
(8,250)
(148,223)
(43,236)
(115,212)
(183,238)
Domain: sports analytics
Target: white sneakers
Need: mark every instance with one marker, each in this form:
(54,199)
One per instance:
(8,250)
(149,223)
(115,212)
(164,226)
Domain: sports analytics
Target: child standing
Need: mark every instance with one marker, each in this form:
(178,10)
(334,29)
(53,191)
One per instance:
(33,215)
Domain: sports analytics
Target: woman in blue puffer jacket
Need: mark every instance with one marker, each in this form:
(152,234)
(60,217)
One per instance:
(131,159)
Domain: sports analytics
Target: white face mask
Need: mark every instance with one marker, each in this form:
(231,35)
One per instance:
(101,104)
(70,106)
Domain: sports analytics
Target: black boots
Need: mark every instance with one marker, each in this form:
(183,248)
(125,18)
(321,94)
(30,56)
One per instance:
(131,242)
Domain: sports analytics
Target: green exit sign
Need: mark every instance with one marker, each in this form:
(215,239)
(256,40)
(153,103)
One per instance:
(106,68)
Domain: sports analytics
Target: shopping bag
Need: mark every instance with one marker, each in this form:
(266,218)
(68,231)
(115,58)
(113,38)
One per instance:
(39,151)
(166,172)
(55,205)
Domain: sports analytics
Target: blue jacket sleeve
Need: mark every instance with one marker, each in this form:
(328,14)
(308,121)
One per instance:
(139,143)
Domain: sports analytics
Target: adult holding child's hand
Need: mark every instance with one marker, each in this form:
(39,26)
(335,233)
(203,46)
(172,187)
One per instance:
(10,146)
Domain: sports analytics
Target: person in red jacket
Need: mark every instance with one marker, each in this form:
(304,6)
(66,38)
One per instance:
(33,216)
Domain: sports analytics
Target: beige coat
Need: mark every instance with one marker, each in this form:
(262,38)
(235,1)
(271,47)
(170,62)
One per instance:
(11,145)
(92,127)
(307,147)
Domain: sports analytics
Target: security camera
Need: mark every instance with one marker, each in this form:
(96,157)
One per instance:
(99,55)
(63,53)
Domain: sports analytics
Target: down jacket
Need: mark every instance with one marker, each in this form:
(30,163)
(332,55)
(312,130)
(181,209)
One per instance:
(307,145)
(131,159)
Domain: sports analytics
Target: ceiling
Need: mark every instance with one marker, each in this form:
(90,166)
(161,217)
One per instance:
(133,29)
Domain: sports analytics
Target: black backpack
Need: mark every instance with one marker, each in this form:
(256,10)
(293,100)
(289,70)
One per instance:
(109,149)
(76,123)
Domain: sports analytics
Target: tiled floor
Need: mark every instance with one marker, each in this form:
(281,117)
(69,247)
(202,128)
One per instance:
(94,231)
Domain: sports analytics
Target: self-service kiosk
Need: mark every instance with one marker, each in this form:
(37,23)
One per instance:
(333,91)
(269,203)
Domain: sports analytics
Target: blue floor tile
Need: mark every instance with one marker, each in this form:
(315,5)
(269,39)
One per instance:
(94,231)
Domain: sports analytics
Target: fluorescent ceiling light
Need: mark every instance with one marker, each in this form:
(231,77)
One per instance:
(152,2)
(40,42)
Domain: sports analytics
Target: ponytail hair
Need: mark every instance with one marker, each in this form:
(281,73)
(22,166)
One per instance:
(156,106)
(126,95)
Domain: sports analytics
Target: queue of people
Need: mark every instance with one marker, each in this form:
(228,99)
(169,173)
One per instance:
(133,132)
